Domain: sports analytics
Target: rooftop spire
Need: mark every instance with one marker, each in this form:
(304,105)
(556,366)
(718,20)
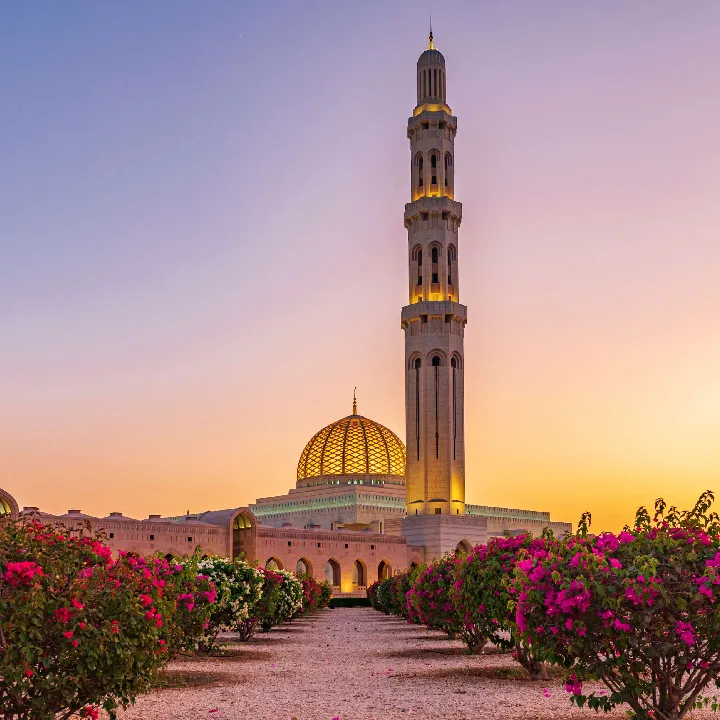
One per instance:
(354,402)
(431,44)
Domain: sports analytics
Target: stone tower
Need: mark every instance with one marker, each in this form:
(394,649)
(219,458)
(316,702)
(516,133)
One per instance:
(434,320)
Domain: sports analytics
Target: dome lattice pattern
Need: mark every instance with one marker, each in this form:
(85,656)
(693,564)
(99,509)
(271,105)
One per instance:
(354,445)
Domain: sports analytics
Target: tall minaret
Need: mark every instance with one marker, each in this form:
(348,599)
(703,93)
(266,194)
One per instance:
(434,321)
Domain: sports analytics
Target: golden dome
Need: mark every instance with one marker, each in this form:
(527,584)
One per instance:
(355,446)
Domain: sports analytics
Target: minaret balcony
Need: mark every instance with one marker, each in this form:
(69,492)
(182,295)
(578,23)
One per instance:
(422,207)
(425,309)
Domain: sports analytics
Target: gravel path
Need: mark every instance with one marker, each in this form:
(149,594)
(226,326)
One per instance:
(357,664)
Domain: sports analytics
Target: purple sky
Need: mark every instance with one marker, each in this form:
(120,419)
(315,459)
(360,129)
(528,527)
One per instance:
(202,251)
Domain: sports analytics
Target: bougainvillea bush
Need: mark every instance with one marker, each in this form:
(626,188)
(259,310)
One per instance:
(384,596)
(189,596)
(315,595)
(239,588)
(638,610)
(400,586)
(484,598)
(372,594)
(281,600)
(80,631)
(430,600)
(291,596)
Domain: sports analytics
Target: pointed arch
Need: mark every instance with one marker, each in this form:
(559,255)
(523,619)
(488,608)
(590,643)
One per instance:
(332,572)
(359,573)
(8,506)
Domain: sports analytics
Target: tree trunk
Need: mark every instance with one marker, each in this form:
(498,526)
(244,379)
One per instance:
(536,669)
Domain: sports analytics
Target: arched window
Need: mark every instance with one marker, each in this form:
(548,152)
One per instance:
(448,169)
(436,361)
(419,267)
(273,564)
(433,161)
(434,255)
(417,363)
(420,171)
(433,167)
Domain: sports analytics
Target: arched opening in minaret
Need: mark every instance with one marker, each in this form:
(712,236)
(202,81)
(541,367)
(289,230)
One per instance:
(434,256)
(433,168)
(417,256)
(450,263)
(448,170)
(420,169)
(332,572)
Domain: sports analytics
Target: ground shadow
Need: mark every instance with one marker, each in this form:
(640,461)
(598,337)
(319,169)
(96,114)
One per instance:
(424,653)
(233,652)
(191,679)
(479,674)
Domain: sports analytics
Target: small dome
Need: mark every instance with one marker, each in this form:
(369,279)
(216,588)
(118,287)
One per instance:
(354,445)
(431,57)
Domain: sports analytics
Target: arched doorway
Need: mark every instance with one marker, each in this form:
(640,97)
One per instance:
(303,567)
(332,572)
(8,506)
(463,548)
(359,574)
(273,564)
(241,529)
(384,570)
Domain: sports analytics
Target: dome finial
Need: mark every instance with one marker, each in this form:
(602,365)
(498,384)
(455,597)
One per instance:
(354,402)
(431,44)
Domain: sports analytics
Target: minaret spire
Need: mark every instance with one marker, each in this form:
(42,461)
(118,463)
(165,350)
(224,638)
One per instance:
(431,44)
(354,401)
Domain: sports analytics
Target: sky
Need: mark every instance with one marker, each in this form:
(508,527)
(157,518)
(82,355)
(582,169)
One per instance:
(202,248)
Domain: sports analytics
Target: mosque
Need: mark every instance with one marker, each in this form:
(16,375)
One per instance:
(365,505)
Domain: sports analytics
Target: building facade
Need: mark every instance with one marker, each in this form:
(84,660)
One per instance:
(364,504)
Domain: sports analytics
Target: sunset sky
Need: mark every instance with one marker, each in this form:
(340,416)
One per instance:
(202,248)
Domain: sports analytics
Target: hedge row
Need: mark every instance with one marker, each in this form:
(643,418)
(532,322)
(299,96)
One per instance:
(81,631)
(637,610)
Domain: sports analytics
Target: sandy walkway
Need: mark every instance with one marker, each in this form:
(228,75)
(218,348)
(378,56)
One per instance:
(357,664)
